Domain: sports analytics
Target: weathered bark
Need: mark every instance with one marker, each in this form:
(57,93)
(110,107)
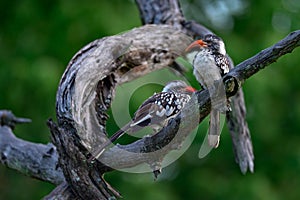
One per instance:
(242,71)
(87,89)
(239,131)
(233,82)
(252,65)
(35,160)
(62,191)
(168,12)
(158,145)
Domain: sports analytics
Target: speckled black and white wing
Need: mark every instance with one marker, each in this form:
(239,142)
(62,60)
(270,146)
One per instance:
(223,63)
(154,112)
(159,108)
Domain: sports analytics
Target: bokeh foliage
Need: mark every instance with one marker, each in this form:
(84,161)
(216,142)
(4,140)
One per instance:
(38,38)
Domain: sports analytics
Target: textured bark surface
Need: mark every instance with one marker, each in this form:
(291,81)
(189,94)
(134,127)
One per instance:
(168,12)
(87,89)
(240,134)
(170,136)
(252,65)
(35,160)
(13,150)
(239,131)
(62,191)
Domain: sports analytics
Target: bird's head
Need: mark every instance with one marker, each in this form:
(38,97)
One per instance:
(211,42)
(178,86)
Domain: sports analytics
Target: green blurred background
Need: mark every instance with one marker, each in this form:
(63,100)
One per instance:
(38,38)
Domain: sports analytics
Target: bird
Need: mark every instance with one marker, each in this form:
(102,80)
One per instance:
(210,64)
(155,112)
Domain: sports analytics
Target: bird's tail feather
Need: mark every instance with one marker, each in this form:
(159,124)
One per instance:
(214,129)
(99,150)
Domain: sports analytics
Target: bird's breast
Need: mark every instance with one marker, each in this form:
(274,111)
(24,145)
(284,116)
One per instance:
(205,69)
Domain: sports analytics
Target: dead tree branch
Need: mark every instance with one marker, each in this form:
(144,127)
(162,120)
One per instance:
(233,81)
(74,133)
(87,89)
(169,12)
(12,149)
(36,160)
(251,66)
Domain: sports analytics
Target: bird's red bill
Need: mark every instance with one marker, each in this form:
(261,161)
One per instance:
(190,89)
(196,44)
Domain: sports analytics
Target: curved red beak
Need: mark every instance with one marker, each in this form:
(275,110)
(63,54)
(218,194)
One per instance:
(196,44)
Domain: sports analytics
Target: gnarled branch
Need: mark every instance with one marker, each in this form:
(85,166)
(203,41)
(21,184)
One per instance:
(168,12)
(87,89)
(233,81)
(171,136)
(35,160)
(127,60)
(12,149)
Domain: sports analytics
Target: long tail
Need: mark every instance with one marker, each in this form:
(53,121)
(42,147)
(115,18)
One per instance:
(99,150)
(214,128)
